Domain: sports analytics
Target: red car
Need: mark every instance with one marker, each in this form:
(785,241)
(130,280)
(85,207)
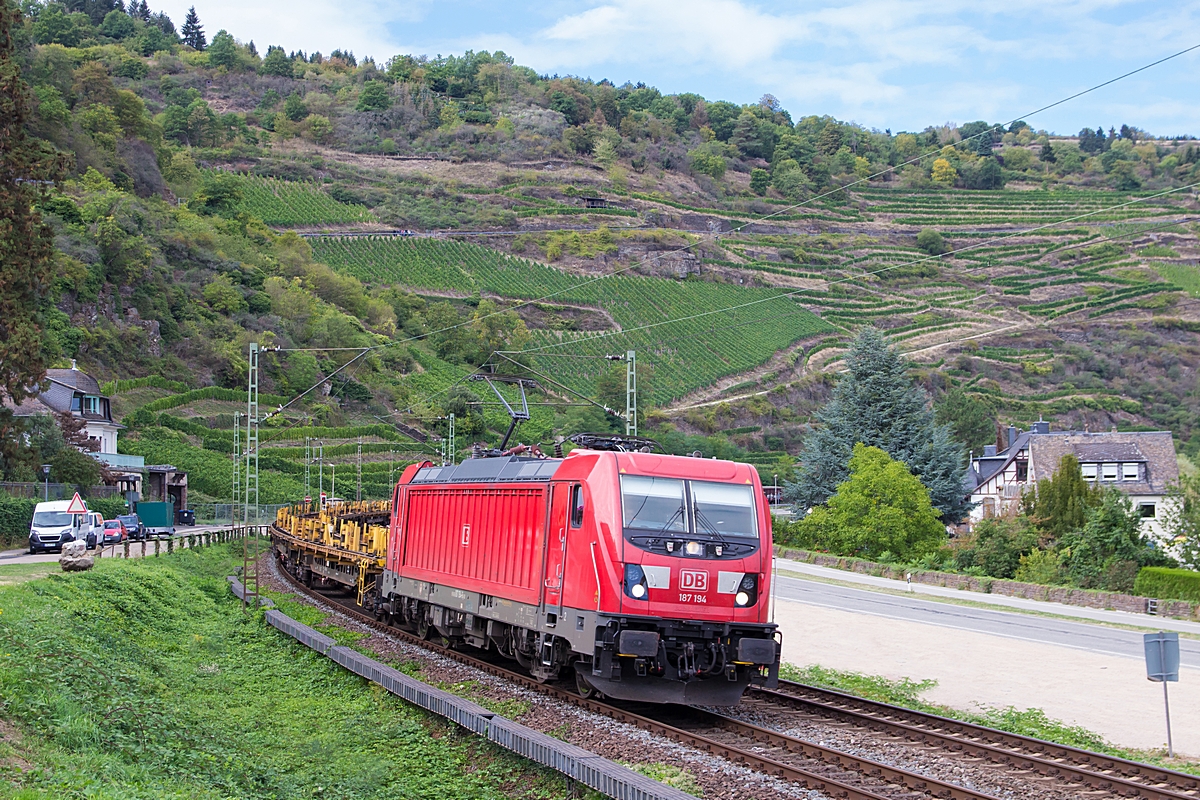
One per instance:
(114,531)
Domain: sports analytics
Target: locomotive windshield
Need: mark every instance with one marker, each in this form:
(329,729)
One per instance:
(653,504)
(724,509)
(703,508)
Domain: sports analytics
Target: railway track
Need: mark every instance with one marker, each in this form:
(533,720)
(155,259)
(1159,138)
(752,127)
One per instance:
(1088,770)
(834,773)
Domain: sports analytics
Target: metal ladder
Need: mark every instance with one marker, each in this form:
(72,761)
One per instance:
(250,554)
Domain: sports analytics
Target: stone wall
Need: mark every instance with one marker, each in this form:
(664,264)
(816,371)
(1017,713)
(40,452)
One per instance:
(1066,595)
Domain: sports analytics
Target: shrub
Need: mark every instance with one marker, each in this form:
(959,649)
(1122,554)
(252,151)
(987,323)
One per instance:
(1041,566)
(16,514)
(931,242)
(881,507)
(1168,584)
(996,547)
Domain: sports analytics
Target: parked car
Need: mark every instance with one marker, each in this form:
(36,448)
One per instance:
(52,527)
(96,535)
(133,526)
(114,531)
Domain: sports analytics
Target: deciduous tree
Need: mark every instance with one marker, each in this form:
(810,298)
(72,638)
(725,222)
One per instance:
(25,240)
(881,508)
(374,97)
(970,419)
(943,172)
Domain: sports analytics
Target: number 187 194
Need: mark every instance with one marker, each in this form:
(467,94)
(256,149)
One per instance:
(693,598)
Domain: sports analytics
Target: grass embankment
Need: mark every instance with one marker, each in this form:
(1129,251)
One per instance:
(906,693)
(144,679)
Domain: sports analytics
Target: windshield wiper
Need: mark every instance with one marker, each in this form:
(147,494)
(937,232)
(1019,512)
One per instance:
(703,520)
(678,513)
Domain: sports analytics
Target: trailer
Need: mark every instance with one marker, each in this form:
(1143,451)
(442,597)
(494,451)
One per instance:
(158,519)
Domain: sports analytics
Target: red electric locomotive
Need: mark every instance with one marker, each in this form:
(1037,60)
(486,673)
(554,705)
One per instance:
(642,576)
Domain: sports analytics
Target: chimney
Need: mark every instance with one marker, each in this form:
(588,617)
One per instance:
(1041,427)
(1012,435)
(73,365)
(989,450)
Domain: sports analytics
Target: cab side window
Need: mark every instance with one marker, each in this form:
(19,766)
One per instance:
(577,506)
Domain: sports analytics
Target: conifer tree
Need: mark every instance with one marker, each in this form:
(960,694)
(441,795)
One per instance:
(143,10)
(25,240)
(191,32)
(875,403)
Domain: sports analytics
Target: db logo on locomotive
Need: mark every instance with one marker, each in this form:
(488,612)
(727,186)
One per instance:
(695,580)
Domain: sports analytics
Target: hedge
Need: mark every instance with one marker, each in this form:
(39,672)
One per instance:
(1165,583)
(155,381)
(209,393)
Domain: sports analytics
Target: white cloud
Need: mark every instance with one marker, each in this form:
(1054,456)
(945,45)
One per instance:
(309,25)
(890,63)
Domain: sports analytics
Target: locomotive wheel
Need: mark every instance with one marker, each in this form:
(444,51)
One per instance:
(423,628)
(585,689)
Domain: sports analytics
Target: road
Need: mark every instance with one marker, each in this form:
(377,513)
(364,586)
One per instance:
(1087,636)
(992,652)
(22,556)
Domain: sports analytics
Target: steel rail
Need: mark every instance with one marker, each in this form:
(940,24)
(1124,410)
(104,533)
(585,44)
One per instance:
(1094,770)
(893,778)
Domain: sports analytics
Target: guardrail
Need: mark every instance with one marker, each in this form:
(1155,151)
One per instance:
(181,541)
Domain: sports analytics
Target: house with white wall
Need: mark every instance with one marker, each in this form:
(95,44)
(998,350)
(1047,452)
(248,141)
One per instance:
(1140,464)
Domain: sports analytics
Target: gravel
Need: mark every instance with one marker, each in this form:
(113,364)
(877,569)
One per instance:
(617,741)
(994,779)
(715,777)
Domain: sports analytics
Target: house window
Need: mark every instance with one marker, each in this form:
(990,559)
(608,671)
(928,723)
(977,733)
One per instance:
(75,404)
(1089,471)
(1148,510)
(1110,472)
(1022,470)
(1130,472)
(91,404)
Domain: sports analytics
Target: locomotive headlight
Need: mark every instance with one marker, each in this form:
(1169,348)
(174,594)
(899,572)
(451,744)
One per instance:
(635,582)
(747,593)
(693,548)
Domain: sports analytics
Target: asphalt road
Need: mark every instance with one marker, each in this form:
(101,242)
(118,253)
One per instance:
(21,555)
(1014,625)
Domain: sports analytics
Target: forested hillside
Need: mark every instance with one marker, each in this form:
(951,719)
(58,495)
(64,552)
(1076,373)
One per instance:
(200,193)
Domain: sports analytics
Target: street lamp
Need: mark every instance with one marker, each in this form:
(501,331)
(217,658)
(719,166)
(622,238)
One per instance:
(46,477)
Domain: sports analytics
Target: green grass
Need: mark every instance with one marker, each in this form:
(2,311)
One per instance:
(1034,722)
(1184,276)
(145,679)
(19,573)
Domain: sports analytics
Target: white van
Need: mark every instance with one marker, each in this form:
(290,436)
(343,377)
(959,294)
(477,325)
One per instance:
(53,527)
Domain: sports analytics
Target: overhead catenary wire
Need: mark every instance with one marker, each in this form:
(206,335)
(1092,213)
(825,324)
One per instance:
(847,279)
(689,246)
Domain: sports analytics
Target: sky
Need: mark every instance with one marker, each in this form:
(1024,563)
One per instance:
(900,65)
